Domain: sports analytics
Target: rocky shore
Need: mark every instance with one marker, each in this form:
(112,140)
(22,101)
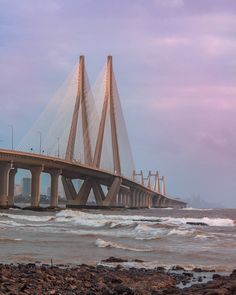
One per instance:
(83,279)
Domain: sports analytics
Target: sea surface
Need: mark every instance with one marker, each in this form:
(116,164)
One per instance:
(159,237)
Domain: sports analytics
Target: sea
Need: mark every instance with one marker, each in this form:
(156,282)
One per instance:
(149,238)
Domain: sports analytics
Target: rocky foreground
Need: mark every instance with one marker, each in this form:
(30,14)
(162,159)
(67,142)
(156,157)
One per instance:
(84,279)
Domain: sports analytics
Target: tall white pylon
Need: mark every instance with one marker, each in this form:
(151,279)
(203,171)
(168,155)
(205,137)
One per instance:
(108,104)
(80,102)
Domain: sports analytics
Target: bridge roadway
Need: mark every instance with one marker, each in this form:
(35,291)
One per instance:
(122,192)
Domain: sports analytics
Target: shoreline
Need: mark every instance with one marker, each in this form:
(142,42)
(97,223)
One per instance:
(36,278)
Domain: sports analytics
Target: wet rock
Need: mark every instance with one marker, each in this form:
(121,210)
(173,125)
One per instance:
(197,223)
(84,279)
(233,274)
(138,260)
(177,267)
(216,276)
(121,289)
(197,269)
(160,269)
(114,260)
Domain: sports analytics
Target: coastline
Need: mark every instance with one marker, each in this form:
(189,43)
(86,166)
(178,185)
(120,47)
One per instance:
(36,278)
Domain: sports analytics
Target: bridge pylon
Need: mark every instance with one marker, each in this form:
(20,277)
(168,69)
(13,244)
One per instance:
(108,111)
(80,102)
(163,185)
(108,105)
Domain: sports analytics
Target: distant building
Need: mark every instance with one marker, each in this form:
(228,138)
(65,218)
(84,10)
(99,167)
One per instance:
(48,191)
(26,186)
(18,189)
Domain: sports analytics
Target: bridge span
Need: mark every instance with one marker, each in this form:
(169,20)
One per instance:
(110,188)
(121,192)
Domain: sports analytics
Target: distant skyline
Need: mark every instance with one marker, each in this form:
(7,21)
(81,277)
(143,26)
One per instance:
(175,65)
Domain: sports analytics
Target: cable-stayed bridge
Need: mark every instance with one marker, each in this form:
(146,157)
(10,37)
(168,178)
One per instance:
(83,145)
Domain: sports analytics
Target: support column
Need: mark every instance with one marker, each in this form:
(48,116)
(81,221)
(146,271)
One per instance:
(128,200)
(69,188)
(54,187)
(141,200)
(144,200)
(138,199)
(11,189)
(132,197)
(125,198)
(112,192)
(35,185)
(4,182)
(98,193)
(118,198)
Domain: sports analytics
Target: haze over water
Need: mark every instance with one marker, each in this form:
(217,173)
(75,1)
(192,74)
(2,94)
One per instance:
(157,236)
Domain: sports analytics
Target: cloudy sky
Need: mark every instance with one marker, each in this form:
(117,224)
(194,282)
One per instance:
(175,63)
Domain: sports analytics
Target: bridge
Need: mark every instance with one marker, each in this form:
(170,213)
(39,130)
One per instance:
(96,153)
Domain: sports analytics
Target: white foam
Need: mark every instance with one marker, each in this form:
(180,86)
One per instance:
(145,232)
(206,220)
(98,220)
(181,232)
(197,209)
(9,223)
(26,217)
(108,244)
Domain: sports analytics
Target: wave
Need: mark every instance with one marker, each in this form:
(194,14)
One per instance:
(181,232)
(115,221)
(99,220)
(206,220)
(7,240)
(197,209)
(107,225)
(9,223)
(33,218)
(108,244)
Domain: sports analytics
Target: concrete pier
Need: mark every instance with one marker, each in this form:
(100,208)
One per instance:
(11,189)
(35,185)
(4,183)
(54,187)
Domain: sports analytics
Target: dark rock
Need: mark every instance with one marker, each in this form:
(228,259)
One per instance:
(233,274)
(216,276)
(197,223)
(177,267)
(138,260)
(121,289)
(196,269)
(160,269)
(115,260)
(200,279)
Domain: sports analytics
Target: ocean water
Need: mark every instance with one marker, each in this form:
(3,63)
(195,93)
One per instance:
(159,237)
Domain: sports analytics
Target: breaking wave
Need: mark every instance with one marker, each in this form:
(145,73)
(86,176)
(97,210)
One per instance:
(108,244)
(99,220)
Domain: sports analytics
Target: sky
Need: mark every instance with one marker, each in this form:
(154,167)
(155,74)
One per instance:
(175,65)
